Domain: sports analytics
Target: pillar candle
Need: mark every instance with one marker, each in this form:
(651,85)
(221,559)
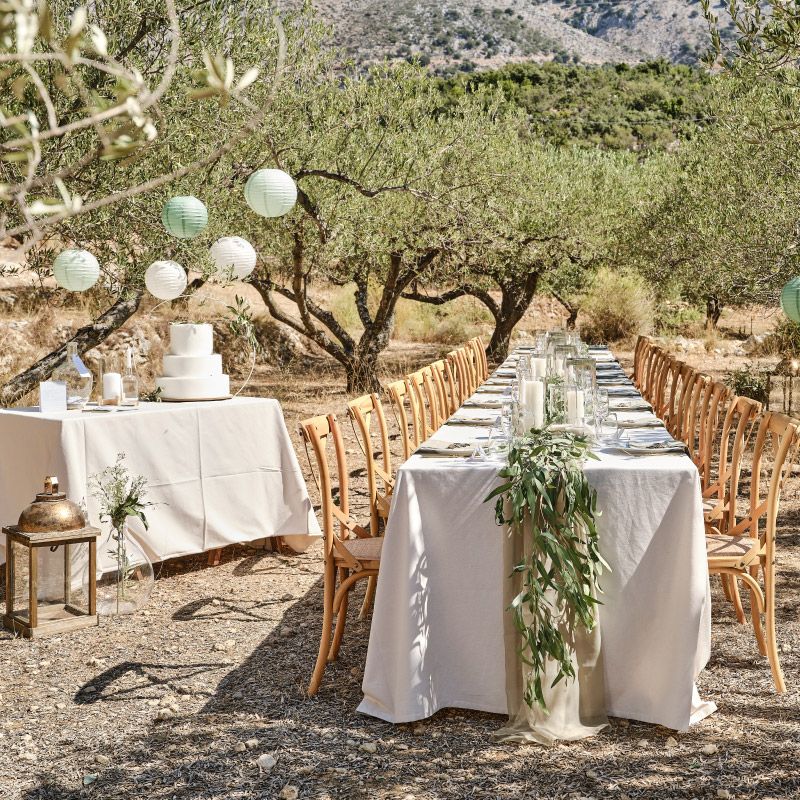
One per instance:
(535,394)
(539,367)
(575,406)
(112,388)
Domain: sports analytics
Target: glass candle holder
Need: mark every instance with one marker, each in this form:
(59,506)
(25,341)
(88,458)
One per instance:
(556,410)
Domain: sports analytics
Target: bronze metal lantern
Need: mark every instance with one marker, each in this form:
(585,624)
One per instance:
(51,521)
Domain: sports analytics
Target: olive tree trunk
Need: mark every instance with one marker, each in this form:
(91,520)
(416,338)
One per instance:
(86,338)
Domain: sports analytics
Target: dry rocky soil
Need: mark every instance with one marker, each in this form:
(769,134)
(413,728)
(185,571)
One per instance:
(202,694)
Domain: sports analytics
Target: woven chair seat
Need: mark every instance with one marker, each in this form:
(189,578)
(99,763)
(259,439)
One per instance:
(734,551)
(365,549)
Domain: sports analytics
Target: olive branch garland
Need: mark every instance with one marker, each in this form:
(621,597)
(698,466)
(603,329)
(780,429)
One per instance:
(546,496)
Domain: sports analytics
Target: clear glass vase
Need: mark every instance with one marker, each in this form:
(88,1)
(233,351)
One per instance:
(76,375)
(124,574)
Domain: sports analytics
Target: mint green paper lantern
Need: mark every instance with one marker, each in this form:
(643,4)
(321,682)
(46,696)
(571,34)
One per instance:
(790,299)
(270,192)
(184,217)
(76,270)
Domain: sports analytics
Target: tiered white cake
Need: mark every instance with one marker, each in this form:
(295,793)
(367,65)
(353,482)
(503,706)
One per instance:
(192,370)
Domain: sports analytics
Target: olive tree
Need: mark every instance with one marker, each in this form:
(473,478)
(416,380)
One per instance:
(111,108)
(386,182)
(555,212)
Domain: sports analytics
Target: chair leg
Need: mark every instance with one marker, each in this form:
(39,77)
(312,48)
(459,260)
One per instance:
(737,601)
(369,596)
(755,613)
(726,587)
(341,620)
(327,621)
(772,640)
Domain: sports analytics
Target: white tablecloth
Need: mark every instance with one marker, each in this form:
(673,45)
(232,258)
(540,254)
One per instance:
(437,630)
(218,472)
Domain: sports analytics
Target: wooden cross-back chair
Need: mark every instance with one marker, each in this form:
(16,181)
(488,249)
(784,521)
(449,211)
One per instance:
(690,430)
(747,551)
(671,391)
(351,552)
(458,365)
(721,495)
(481,362)
(643,344)
(714,403)
(363,411)
(661,380)
(648,375)
(445,387)
(401,397)
(421,383)
(682,400)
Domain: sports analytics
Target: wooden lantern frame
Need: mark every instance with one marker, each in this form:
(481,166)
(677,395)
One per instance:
(71,618)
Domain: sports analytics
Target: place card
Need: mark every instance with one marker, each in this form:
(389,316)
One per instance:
(52,397)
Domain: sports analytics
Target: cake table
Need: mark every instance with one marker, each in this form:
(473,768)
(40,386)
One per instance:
(219,472)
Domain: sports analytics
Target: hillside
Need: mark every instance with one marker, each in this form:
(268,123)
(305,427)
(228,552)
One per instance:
(469,34)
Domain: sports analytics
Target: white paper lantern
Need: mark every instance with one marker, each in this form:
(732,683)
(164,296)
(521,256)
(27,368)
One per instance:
(165,280)
(234,254)
(270,192)
(184,217)
(76,270)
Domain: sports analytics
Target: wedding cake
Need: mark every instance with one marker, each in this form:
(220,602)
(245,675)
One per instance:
(192,370)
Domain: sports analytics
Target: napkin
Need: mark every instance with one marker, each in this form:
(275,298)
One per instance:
(480,421)
(441,447)
(624,404)
(484,403)
(640,423)
(655,448)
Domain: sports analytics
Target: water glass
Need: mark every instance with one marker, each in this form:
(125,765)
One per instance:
(608,430)
(601,407)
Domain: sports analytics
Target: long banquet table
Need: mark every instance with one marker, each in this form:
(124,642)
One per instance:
(436,639)
(218,472)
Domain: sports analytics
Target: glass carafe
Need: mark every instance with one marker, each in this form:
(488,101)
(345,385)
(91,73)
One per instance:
(76,375)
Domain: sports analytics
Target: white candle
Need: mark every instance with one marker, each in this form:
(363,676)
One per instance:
(575,406)
(560,367)
(535,396)
(539,367)
(112,388)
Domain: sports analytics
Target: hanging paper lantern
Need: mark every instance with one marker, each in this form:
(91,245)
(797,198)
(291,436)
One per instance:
(790,299)
(184,217)
(165,280)
(270,192)
(232,253)
(76,270)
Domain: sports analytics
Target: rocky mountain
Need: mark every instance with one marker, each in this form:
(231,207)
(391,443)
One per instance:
(467,34)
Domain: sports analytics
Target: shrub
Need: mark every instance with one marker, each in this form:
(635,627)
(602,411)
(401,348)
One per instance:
(618,305)
(749,381)
(784,340)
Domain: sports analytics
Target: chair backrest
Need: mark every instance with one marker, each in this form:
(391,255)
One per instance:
(691,421)
(460,370)
(362,411)
(642,345)
(662,375)
(421,383)
(671,390)
(714,401)
(321,433)
(682,399)
(655,359)
(481,361)
(446,389)
(781,432)
(400,394)
(740,416)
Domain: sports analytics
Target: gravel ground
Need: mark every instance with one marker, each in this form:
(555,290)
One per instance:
(198,694)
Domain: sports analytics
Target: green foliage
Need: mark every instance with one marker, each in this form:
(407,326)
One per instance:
(784,339)
(120,494)
(546,498)
(619,304)
(749,381)
(650,105)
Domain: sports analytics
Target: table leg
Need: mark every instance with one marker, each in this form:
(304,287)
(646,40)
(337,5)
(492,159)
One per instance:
(67,574)
(33,568)
(9,575)
(92,578)
(214,556)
